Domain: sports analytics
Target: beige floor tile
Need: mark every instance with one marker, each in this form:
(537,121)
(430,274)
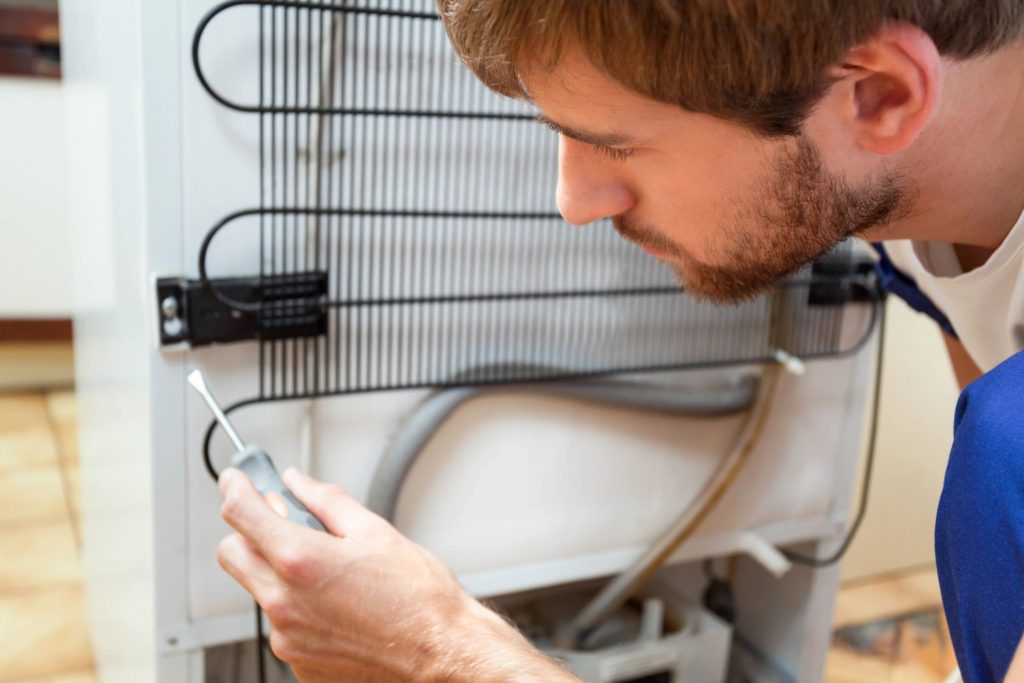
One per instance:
(62,405)
(873,600)
(43,633)
(67,441)
(85,676)
(26,448)
(915,650)
(76,525)
(845,666)
(73,491)
(916,672)
(20,410)
(31,496)
(926,654)
(38,555)
(64,417)
(26,439)
(73,482)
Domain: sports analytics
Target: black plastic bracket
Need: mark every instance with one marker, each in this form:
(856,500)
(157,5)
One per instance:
(831,282)
(291,307)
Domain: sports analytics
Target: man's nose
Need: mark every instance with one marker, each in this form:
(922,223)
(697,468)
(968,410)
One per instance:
(588,189)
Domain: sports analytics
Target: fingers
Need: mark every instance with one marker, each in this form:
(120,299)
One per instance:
(342,514)
(288,547)
(277,503)
(239,559)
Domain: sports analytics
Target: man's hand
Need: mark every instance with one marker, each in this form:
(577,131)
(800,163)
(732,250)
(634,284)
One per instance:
(363,604)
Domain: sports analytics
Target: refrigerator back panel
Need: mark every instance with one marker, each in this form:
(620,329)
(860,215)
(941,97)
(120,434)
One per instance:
(348,143)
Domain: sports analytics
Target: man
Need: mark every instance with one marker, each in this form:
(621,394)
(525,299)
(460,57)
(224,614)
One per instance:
(736,141)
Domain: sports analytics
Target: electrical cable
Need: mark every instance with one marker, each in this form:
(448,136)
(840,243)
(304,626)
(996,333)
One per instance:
(261,671)
(822,562)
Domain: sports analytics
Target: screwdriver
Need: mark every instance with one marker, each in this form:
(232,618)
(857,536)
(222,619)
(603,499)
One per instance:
(255,462)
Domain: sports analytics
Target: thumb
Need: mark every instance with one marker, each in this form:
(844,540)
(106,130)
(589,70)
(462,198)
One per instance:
(342,514)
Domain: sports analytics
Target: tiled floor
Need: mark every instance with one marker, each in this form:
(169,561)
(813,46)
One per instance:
(888,631)
(891,630)
(42,614)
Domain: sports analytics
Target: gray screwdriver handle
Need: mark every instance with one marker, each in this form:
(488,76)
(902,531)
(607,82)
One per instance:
(255,462)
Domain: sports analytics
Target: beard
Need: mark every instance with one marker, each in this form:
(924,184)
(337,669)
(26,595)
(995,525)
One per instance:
(791,220)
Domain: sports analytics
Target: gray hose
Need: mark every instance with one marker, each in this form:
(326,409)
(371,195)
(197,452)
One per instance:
(420,426)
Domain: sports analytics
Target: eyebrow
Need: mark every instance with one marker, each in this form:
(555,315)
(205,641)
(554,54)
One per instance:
(601,139)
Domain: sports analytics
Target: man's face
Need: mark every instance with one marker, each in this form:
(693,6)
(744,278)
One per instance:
(732,212)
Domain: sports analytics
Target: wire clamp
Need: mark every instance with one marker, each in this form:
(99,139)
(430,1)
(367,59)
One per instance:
(766,554)
(792,364)
(289,307)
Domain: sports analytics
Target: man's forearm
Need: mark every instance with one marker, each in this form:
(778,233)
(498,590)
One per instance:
(483,648)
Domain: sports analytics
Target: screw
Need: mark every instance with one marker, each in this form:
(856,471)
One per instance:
(169,307)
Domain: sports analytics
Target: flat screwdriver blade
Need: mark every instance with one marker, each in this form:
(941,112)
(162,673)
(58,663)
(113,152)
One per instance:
(195,378)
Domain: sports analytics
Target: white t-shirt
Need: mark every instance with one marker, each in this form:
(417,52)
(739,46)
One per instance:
(985,305)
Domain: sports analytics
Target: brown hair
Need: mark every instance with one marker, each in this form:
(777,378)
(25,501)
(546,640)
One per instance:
(761,63)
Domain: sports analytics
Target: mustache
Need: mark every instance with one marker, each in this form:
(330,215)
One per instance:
(645,236)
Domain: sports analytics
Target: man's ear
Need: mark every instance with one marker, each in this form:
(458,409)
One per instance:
(888,87)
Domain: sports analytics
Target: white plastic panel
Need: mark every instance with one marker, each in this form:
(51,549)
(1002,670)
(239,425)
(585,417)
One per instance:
(514,482)
(511,484)
(514,492)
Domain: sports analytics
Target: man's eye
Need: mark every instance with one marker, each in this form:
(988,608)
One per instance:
(613,152)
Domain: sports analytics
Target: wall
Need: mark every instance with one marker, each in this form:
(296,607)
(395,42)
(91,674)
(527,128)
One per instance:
(34,234)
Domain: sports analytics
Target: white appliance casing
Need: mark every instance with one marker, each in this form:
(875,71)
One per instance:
(516,492)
